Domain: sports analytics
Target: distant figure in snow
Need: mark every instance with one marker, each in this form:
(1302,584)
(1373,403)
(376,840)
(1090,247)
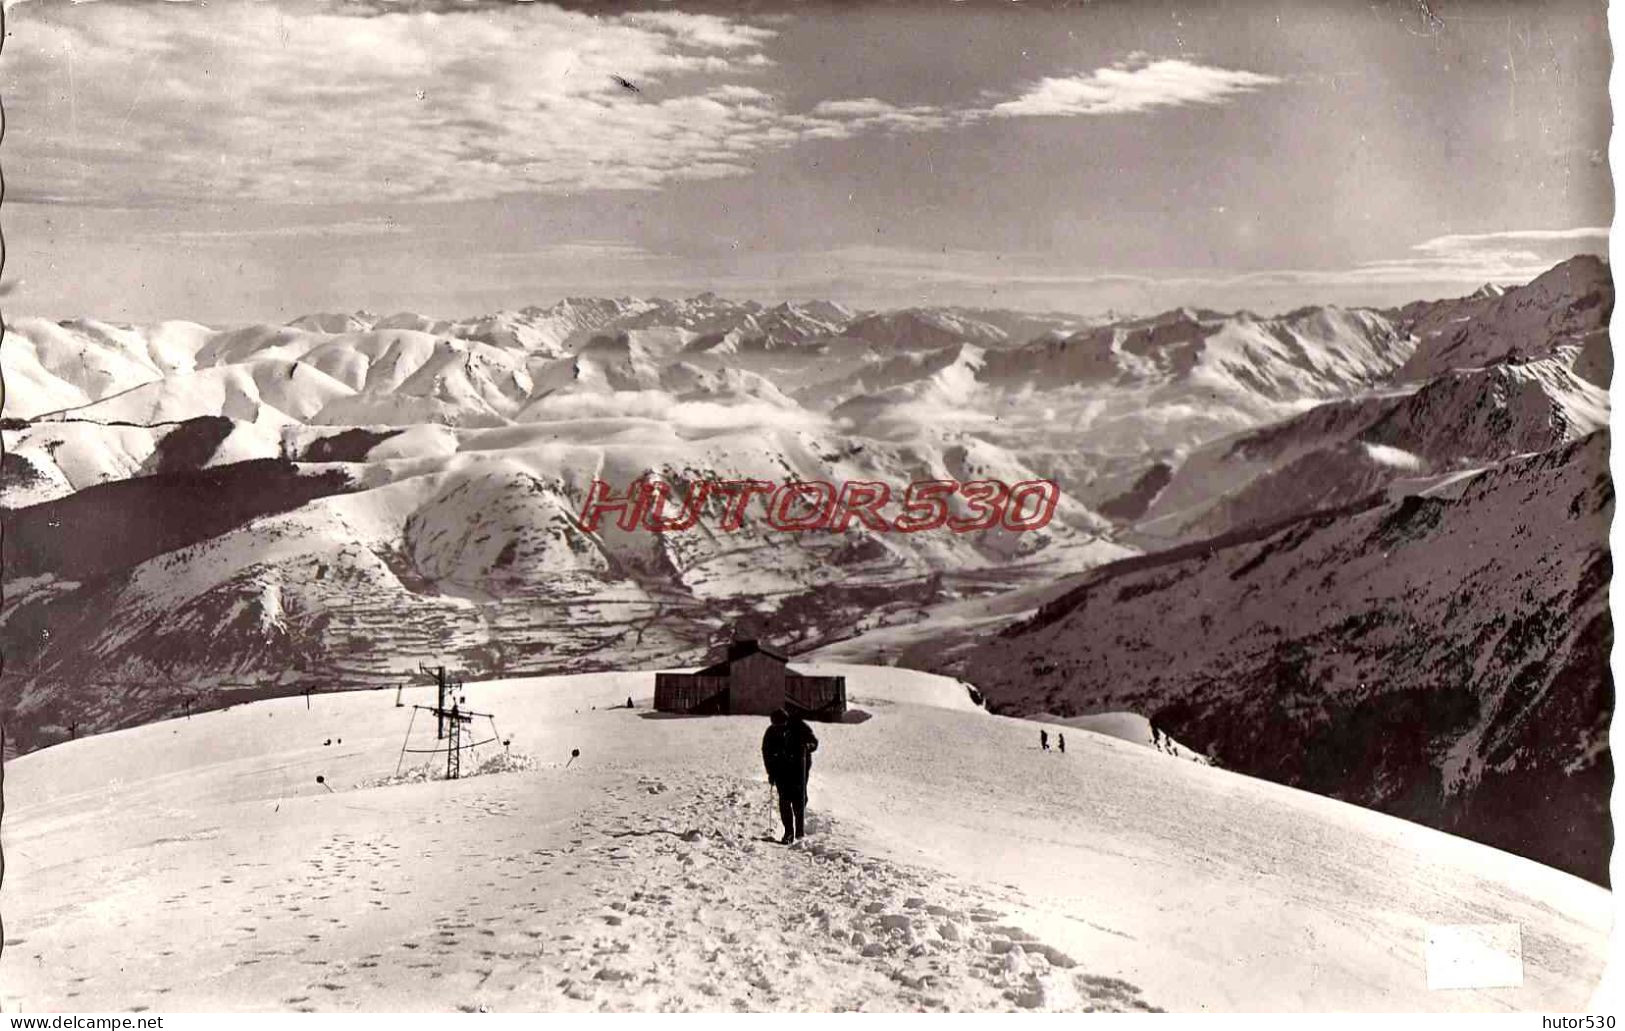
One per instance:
(629,701)
(1156,737)
(787,750)
(1060,740)
(1043,740)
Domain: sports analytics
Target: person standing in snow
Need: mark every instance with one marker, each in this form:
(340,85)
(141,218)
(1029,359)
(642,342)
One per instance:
(1060,739)
(1043,740)
(787,750)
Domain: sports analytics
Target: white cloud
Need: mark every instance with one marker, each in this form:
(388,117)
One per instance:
(1510,256)
(683,417)
(1134,86)
(707,31)
(132,104)
(883,276)
(1460,243)
(304,230)
(865,106)
(844,119)
(251,102)
(1139,86)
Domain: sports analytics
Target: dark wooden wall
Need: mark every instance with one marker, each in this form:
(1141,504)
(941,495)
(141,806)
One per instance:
(756,685)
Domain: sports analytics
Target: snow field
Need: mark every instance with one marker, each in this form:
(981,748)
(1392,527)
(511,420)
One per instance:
(197,864)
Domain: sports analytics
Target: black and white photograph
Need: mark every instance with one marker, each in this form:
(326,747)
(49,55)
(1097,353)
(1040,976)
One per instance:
(785,506)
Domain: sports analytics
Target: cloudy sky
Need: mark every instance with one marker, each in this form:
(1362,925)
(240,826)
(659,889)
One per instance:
(258,159)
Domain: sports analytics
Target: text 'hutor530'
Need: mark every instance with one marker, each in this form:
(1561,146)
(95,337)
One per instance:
(801,505)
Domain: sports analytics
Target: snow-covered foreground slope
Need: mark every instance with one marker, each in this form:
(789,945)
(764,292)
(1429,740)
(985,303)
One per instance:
(951,864)
(1133,728)
(1442,656)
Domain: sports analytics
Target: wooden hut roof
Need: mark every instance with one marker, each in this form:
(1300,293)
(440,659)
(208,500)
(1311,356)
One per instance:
(738,650)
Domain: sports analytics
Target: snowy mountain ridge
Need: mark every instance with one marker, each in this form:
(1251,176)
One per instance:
(1451,649)
(329,502)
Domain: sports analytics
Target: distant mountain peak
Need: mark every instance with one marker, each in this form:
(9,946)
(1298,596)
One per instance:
(1565,305)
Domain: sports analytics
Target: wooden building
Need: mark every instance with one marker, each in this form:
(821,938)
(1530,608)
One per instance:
(752,679)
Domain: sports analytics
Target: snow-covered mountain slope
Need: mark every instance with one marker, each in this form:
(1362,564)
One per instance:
(329,501)
(544,331)
(898,397)
(1542,382)
(50,366)
(1185,377)
(917,329)
(465,448)
(1443,658)
(199,864)
(785,326)
(947,370)
(1130,727)
(50,460)
(1318,352)
(1339,452)
(270,390)
(1568,305)
(1178,380)
(458,542)
(961,612)
(407,368)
